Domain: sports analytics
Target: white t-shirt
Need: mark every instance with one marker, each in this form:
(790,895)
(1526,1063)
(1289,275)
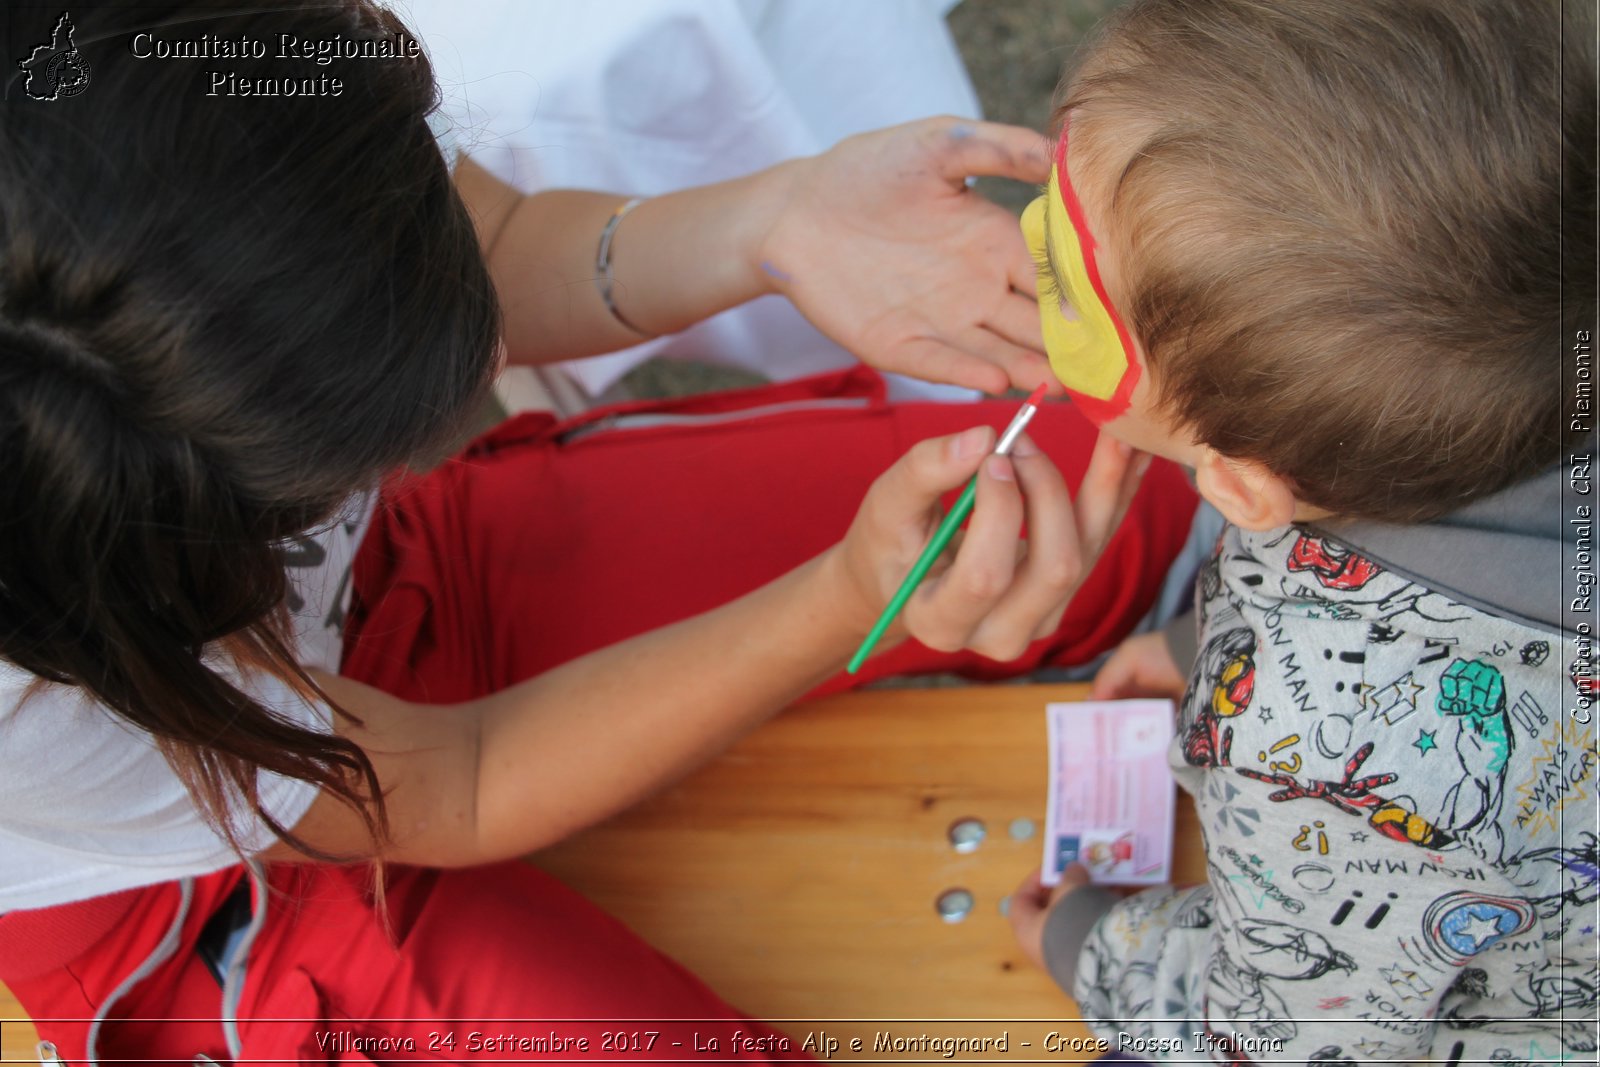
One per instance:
(642,97)
(89,806)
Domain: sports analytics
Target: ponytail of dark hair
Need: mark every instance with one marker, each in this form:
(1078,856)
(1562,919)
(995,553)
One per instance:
(220,317)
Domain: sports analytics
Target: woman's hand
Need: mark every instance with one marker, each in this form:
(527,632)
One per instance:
(998,593)
(879,242)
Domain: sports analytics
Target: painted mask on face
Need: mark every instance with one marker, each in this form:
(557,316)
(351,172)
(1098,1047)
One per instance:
(1090,349)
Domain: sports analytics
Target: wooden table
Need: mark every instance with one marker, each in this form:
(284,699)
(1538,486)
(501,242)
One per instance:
(798,873)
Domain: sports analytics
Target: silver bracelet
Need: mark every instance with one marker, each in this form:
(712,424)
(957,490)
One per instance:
(603,281)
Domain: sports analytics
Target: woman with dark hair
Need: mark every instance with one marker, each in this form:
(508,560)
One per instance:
(225,318)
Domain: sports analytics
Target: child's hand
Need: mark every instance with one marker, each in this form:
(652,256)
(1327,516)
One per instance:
(1142,666)
(1031,903)
(881,245)
(999,593)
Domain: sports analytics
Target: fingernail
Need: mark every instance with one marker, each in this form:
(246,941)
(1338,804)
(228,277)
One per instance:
(1024,446)
(974,442)
(1124,449)
(999,468)
(1143,464)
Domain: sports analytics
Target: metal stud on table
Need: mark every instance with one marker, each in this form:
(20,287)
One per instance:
(967,834)
(954,905)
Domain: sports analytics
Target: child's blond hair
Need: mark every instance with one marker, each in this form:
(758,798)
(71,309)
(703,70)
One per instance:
(1356,236)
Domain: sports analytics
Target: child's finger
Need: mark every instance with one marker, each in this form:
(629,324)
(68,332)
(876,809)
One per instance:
(1026,916)
(1031,888)
(1142,666)
(1113,679)
(1075,876)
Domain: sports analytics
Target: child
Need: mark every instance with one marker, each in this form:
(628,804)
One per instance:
(1332,255)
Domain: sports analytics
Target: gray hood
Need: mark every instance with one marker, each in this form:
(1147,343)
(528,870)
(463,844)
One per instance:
(1508,554)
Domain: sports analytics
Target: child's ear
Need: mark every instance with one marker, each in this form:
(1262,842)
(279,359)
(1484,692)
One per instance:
(1248,494)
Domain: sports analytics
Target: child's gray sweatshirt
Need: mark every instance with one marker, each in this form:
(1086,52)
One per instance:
(1391,751)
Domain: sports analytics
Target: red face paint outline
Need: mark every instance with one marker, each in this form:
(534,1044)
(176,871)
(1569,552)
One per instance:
(1099,410)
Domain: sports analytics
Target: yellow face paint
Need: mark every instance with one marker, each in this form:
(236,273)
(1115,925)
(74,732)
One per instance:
(1090,349)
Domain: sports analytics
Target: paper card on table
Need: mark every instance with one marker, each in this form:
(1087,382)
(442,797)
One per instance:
(1111,791)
